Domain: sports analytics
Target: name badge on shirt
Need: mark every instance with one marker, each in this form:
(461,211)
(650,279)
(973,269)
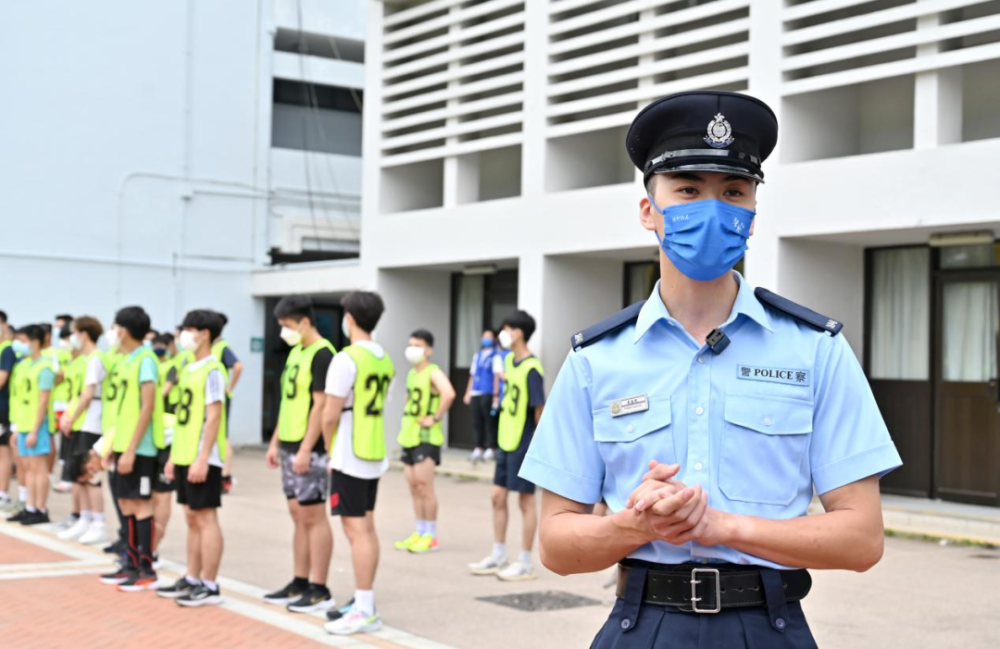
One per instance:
(772,374)
(629,405)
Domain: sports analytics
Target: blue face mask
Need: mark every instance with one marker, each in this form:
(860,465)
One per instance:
(21,348)
(705,239)
(487,342)
(160,352)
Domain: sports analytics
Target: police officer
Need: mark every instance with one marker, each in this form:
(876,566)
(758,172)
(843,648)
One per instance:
(706,415)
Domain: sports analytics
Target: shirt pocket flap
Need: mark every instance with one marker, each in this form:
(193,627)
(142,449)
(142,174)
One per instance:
(770,415)
(627,428)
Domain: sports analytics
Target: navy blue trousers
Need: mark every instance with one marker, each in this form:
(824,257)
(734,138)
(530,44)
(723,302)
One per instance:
(633,625)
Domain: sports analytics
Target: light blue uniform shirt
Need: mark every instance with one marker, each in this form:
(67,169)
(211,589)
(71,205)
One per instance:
(148,373)
(783,409)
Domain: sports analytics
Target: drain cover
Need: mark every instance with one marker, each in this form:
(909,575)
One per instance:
(546,600)
(984,556)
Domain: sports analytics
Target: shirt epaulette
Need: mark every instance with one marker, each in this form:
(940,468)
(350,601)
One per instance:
(803,314)
(595,332)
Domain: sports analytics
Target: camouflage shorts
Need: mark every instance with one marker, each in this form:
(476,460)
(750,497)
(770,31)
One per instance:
(309,488)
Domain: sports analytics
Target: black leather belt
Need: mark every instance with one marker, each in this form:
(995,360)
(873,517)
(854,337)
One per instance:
(709,589)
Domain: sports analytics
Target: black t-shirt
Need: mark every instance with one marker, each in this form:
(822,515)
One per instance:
(536,398)
(7,360)
(320,364)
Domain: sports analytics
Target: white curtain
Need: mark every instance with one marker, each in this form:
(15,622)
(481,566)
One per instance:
(469,329)
(900,340)
(971,317)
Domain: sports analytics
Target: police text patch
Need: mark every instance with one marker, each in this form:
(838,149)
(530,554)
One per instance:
(772,374)
(629,405)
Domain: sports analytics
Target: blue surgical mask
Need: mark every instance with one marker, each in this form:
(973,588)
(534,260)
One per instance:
(345,328)
(705,239)
(487,342)
(21,348)
(160,352)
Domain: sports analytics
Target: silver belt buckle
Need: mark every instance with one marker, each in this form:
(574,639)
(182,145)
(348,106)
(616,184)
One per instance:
(694,590)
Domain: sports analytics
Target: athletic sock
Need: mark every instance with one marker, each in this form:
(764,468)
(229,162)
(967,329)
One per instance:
(131,542)
(364,601)
(431,527)
(31,510)
(525,557)
(97,517)
(4,495)
(211,585)
(499,550)
(320,587)
(421,527)
(300,582)
(194,581)
(86,516)
(22,494)
(144,536)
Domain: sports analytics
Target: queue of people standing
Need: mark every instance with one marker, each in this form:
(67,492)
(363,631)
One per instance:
(151,413)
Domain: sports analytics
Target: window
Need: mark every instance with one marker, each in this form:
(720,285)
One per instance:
(900,314)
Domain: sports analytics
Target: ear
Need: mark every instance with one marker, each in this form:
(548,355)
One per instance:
(648,216)
(750,232)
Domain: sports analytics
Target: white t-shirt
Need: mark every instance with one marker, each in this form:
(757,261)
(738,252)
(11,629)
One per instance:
(215,391)
(95,377)
(340,379)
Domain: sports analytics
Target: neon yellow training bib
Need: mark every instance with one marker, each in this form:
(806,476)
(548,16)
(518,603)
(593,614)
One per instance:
(421,401)
(370,389)
(192,413)
(296,392)
(514,409)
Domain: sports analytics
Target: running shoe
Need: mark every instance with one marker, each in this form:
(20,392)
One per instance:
(18,516)
(63,487)
(517,571)
(139,581)
(337,613)
(405,544)
(426,543)
(314,599)
(116,548)
(354,622)
(66,523)
(491,565)
(488,455)
(476,456)
(97,532)
(35,518)
(290,593)
(179,588)
(200,595)
(75,531)
(119,576)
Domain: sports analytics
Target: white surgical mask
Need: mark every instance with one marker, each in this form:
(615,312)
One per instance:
(291,336)
(56,332)
(506,340)
(74,341)
(188,341)
(65,345)
(415,354)
(112,336)
(343,327)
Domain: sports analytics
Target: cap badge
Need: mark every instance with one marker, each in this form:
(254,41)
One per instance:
(720,133)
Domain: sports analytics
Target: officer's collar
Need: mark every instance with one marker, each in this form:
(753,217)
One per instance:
(746,303)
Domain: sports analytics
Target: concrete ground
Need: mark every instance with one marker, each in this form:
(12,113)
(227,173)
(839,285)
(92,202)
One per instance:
(921,594)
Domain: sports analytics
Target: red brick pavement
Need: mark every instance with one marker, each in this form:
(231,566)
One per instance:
(79,611)
(15,551)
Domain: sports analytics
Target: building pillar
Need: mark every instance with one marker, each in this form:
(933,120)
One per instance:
(937,97)
(536,20)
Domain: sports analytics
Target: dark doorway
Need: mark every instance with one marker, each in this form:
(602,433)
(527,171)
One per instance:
(328,316)
(477,301)
(967,422)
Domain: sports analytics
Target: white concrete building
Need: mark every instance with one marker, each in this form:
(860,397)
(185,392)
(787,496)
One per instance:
(156,154)
(495,174)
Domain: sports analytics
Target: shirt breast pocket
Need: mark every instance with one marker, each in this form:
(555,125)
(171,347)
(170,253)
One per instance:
(764,444)
(630,441)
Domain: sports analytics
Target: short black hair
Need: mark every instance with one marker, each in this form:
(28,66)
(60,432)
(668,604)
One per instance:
(163,339)
(424,335)
(521,320)
(203,319)
(33,332)
(365,307)
(67,318)
(154,332)
(3,317)
(46,328)
(66,332)
(134,320)
(295,307)
(223,319)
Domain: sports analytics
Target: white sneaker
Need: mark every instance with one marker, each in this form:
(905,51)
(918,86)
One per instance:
(65,523)
(488,455)
(74,531)
(517,571)
(477,455)
(63,487)
(491,565)
(354,622)
(96,533)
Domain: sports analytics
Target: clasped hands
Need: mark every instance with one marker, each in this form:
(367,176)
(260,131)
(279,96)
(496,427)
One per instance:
(666,509)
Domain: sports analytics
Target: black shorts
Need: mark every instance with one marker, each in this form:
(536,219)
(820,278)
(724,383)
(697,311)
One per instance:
(509,465)
(65,447)
(352,497)
(199,495)
(161,484)
(137,485)
(421,452)
(4,434)
(83,442)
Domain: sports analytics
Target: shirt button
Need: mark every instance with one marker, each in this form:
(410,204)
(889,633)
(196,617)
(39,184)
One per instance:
(767,421)
(701,359)
(626,623)
(628,429)
(699,410)
(780,623)
(698,466)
